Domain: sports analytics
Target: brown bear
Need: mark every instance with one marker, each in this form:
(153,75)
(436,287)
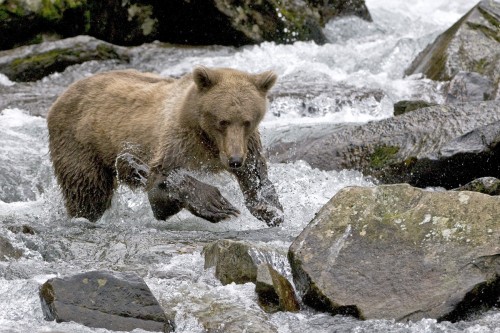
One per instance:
(147,131)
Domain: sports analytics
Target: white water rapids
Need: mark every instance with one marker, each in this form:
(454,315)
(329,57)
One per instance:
(360,56)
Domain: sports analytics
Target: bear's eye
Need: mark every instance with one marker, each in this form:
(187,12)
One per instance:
(247,124)
(223,123)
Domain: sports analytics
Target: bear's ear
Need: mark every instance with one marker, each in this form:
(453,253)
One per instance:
(204,78)
(265,81)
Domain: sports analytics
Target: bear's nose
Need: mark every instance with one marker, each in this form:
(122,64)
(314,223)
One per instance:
(235,162)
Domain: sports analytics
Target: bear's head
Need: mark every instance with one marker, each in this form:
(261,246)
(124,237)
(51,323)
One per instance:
(230,105)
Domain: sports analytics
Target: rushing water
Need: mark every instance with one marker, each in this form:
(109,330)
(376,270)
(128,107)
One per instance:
(361,57)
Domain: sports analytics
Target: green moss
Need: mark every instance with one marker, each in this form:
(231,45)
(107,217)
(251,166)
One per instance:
(481,66)
(493,34)
(53,10)
(86,16)
(435,69)
(490,18)
(382,156)
(42,58)
(9,10)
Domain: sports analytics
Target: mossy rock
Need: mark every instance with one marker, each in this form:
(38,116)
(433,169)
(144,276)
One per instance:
(24,22)
(383,156)
(470,45)
(32,63)
(400,253)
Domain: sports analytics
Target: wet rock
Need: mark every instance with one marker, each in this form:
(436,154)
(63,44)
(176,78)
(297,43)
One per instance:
(473,155)
(470,45)
(33,62)
(402,107)
(22,229)
(470,87)
(486,185)
(274,291)
(235,261)
(398,252)
(111,300)
(8,251)
(232,261)
(218,22)
(407,148)
(23,22)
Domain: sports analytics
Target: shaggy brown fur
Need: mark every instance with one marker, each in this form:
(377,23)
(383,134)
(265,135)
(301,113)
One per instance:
(146,131)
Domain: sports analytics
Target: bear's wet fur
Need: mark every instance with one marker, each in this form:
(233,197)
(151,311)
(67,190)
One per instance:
(148,131)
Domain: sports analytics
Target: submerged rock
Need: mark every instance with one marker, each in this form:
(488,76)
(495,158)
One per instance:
(8,251)
(111,300)
(486,185)
(470,45)
(33,62)
(415,148)
(274,291)
(398,252)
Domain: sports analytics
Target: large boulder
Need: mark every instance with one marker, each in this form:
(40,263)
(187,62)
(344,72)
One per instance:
(470,45)
(33,62)
(417,147)
(111,300)
(177,21)
(398,252)
(27,22)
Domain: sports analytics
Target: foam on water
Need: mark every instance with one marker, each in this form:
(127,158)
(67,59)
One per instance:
(168,254)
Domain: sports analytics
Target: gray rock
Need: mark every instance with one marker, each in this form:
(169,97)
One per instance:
(486,185)
(470,87)
(111,300)
(470,45)
(33,62)
(274,291)
(414,147)
(398,252)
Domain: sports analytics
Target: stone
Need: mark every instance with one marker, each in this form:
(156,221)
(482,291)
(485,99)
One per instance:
(218,22)
(470,87)
(274,291)
(399,252)
(111,300)
(415,148)
(486,185)
(235,261)
(33,62)
(8,251)
(470,45)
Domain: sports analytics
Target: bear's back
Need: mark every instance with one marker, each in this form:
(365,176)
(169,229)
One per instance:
(109,110)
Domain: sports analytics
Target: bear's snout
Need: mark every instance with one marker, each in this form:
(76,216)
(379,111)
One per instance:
(235,162)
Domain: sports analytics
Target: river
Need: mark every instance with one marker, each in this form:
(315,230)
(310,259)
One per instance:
(360,57)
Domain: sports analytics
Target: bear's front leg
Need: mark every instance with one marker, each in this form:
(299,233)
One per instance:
(168,194)
(261,198)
